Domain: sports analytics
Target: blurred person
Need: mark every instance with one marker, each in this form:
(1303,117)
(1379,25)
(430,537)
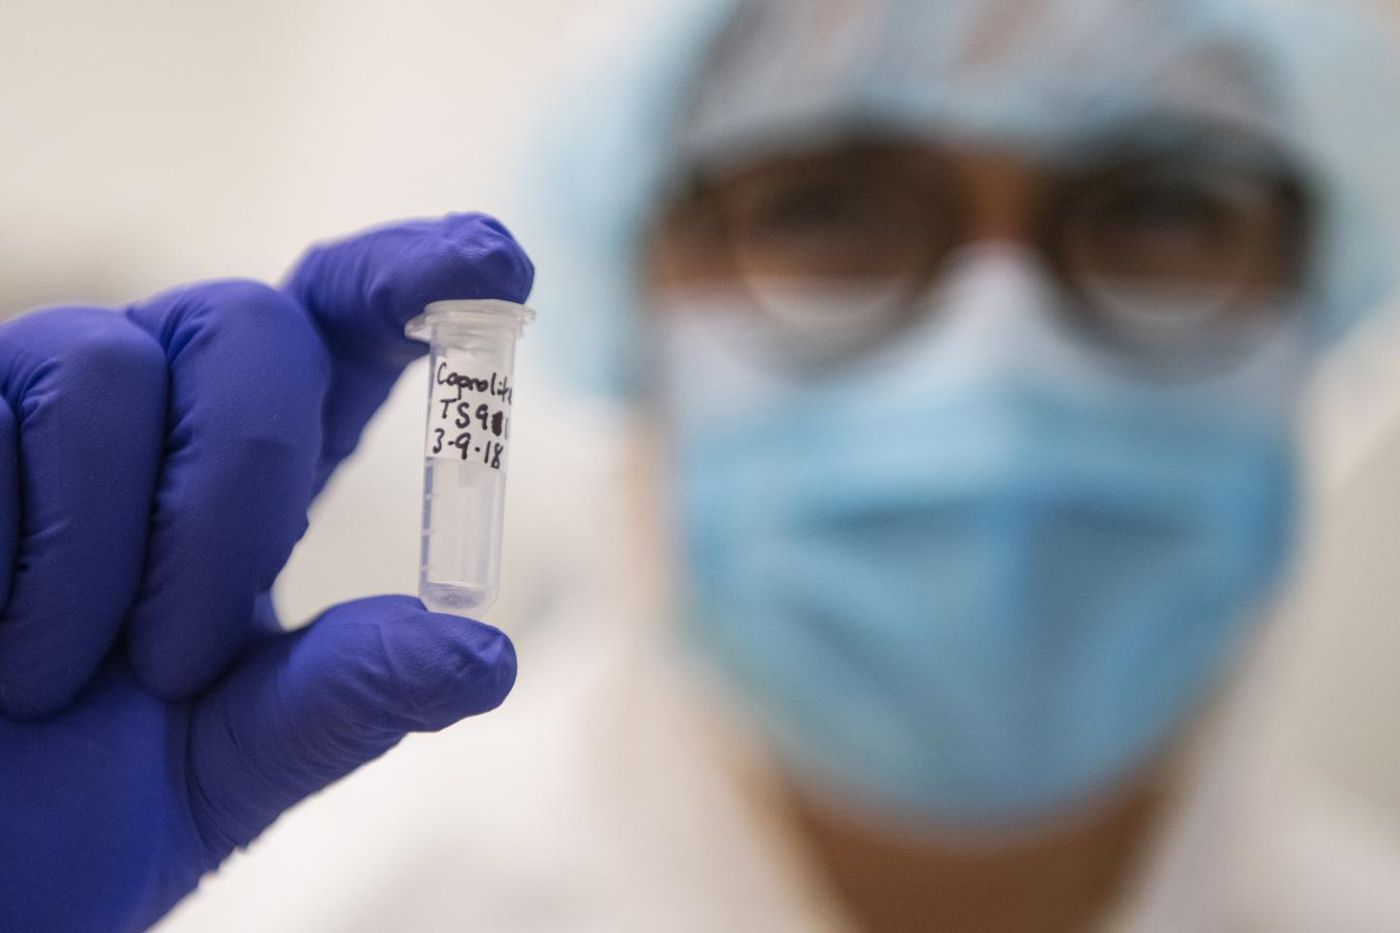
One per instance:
(967,343)
(970,339)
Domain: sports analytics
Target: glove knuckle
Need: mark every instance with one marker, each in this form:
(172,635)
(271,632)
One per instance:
(246,301)
(278,322)
(243,315)
(91,345)
(247,297)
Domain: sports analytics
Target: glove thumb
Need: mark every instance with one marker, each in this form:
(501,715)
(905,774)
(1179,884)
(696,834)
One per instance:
(309,707)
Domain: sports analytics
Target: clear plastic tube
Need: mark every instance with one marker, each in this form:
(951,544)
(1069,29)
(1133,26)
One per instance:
(470,392)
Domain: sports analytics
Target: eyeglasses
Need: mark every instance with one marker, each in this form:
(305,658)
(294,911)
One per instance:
(1157,250)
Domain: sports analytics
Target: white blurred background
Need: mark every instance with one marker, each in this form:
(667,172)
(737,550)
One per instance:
(149,142)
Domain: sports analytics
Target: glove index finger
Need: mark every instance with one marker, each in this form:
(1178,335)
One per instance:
(360,293)
(247,382)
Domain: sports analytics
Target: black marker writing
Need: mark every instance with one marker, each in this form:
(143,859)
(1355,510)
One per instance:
(453,424)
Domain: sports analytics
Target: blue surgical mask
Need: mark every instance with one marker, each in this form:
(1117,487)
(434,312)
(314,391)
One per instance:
(982,575)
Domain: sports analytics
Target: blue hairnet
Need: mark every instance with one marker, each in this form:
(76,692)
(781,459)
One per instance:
(1316,79)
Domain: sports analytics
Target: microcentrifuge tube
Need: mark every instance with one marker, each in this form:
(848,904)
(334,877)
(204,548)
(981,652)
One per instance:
(470,390)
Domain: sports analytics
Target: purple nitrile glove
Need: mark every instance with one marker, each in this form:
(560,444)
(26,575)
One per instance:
(156,467)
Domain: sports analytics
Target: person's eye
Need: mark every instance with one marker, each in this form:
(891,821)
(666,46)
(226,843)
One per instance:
(1170,211)
(818,210)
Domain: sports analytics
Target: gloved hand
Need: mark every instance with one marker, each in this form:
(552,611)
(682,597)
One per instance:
(156,466)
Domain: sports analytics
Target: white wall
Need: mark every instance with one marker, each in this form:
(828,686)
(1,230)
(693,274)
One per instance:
(146,141)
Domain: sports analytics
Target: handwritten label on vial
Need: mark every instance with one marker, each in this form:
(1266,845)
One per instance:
(469,418)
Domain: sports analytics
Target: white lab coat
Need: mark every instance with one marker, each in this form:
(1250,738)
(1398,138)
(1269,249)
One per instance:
(602,797)
(591,803)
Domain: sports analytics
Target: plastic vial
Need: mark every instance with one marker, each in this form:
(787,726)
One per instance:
(470,390)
